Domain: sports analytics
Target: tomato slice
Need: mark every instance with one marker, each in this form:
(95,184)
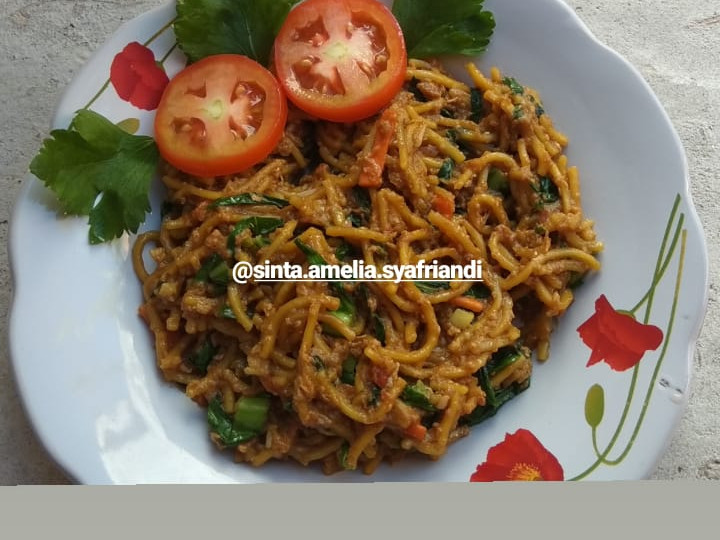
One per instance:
(340,60)
(220,115)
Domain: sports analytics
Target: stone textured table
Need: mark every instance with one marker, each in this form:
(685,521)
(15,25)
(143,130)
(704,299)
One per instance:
(674,43)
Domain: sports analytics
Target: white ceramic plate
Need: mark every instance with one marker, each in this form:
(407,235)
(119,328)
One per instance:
(84,361)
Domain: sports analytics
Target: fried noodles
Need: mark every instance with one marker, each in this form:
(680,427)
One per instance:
(353,374)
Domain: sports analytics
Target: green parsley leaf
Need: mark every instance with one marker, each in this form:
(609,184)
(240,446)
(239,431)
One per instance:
(433,28)
(95,157)
(247,27)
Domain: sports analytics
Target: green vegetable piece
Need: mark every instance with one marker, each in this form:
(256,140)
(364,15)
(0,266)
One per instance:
(360,215)
(446,113)
(595,405)
(539,110)
(418,395)
(433,28)
(518,112)
(378,326)
(318,363)
(342,454)
(375,392)
(258,225)
(504,357)
(432,287)
(494,398)
(129,125)
(221,423)
(227,313)
(576,280)
(546,190)
(250,199)
(498,181)
(313,257)
(95,157)
(514,86)
(345,251)
(214,270)
(247,27)
(477,107)
(347,311)
(356,220)
(251,413)
(347,375)
(478,291)
(446,171)
(412,87)
(200,359)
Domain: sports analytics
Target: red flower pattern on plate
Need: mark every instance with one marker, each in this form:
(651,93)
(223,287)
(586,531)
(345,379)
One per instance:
(520,457)
(137,78)
(617,338)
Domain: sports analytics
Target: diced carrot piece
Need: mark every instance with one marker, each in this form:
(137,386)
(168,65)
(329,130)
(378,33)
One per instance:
(373,164)
(416,431)
(472,304)
(444,205)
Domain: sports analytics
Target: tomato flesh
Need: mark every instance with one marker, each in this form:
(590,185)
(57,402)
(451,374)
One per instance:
(340,60)
(219,116)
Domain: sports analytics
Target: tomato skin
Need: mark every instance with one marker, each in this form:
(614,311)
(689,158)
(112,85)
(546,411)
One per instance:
(219,116)
(340,60)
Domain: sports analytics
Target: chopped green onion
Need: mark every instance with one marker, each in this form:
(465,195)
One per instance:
(251,413)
